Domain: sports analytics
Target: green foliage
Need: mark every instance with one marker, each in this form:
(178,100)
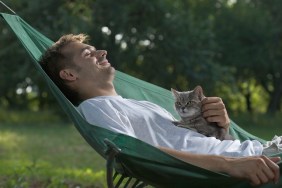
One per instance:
(247,33)
(217,44)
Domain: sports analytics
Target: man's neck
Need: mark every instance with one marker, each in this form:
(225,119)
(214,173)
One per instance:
(88,93)
(105,92)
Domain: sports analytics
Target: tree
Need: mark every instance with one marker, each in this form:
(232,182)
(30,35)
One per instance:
(169,43)
(247,33)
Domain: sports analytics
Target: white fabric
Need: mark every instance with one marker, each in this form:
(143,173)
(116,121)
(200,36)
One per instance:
(152,124)
(273,146)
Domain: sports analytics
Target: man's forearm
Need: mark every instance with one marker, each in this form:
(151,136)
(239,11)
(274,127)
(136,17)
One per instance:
(209,162)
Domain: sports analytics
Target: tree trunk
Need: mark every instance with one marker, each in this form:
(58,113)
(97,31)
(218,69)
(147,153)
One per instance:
(275,97)
(249,102)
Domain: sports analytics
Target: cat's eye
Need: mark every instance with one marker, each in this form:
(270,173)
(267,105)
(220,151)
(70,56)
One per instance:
(189,102)
(177,103)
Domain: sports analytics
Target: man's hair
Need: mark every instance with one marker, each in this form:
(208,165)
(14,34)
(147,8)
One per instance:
(53,61)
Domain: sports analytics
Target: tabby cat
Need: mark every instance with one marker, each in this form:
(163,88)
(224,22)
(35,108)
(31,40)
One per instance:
(188,105)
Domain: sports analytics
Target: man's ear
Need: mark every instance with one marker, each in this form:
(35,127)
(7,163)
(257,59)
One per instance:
(67,74)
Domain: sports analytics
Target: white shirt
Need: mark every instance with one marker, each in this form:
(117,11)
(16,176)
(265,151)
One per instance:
(153,124)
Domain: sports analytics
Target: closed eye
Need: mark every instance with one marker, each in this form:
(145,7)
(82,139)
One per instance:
(86,53)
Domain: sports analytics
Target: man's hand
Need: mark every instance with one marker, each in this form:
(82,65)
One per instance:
(255,169)
(214,110)
(258,170)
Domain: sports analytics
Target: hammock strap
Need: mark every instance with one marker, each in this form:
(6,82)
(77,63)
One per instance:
(8,7)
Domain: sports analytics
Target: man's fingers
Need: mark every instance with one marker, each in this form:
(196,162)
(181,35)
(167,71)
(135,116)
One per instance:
(265,177)
(209,113)
(273,170)
(254,180)
(212,106)
(213,109)
(208,100)
(215,119)
(275,159)
(217,116)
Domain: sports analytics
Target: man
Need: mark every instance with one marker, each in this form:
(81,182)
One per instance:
(86,78)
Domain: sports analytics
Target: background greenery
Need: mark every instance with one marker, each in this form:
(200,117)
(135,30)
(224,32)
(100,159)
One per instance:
(233,48)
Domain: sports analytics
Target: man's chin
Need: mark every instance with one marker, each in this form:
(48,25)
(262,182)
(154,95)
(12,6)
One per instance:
(111,70)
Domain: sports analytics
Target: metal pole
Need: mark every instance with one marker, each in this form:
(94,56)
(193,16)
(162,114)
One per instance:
(7,7)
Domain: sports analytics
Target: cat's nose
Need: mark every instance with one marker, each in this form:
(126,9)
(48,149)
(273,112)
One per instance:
(183,109)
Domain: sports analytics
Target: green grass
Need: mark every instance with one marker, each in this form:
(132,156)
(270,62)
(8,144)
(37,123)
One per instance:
(35,153)
(262,125)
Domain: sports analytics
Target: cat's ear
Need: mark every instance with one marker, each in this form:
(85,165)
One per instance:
(199,92)
(174,93)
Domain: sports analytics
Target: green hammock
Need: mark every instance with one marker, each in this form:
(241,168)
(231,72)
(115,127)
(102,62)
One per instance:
(130,157)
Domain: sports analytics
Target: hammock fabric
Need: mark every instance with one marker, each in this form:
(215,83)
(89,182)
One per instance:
(132,157)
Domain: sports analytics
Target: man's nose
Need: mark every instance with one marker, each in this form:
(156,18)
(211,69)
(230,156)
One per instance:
(101,53)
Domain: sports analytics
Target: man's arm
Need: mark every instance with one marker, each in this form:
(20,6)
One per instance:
(257,169)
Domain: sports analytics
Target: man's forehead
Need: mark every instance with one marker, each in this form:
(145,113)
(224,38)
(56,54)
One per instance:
(72,47)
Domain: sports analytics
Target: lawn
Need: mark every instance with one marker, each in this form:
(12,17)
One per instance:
(262,125)
(42,154)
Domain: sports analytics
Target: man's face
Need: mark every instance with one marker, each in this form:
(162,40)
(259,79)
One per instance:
(91,64)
